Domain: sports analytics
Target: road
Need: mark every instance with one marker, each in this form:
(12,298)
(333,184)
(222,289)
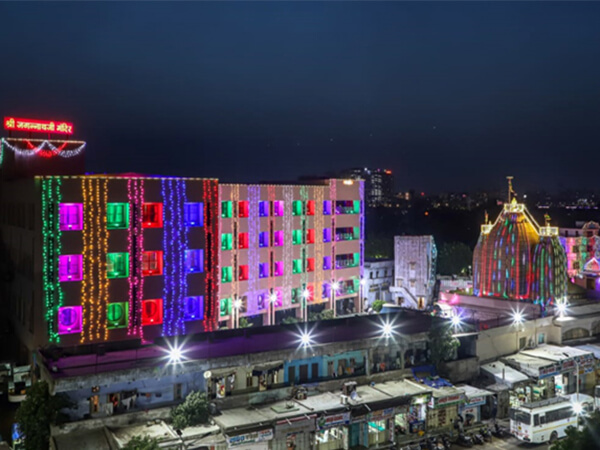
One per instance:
(506,444)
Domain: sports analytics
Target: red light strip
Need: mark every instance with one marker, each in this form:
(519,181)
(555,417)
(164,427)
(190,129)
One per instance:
(38,126)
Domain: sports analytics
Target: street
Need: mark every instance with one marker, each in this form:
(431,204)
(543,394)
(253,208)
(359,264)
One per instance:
(505,444)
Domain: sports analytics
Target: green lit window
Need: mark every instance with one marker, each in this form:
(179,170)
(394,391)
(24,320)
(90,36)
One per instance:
(296,295)
(356,259)
(117,315)
(297,208)
(226,210)
(226,241)
(297,237)
(226,274)
(117,265)
(224,307)
(297,266)
(117,216)
(356,233)
(356,207)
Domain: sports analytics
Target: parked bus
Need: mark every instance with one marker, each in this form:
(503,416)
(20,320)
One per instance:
(543,421)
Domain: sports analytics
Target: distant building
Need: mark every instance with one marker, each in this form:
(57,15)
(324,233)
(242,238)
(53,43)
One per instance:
(414,271)
(379,184)
(378,277)
(582,246)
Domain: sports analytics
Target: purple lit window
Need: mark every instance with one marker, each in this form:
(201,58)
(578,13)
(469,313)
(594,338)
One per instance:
(69,319)
(263,209)
(327,263)
(326,290)
(278,208)
(70,267)
(194,261)
(278,268)
(193,308)
(327,207)
(263,270)
(71,216)
(263,239)
(326,234)
(278,239)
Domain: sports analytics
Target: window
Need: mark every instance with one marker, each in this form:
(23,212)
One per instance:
(278,209)
(263,270)
(70,216)
(278,239)
(297,237)
(152,311)
(117,216)
(310,236)
(296,295)
(347,207)
(327,263)
(243,240)
(344,234)
(70,268)
(117,315)
(263,209)
(226,241)
(69,319)
(152,263)
(244,272)
(541,338)
(297,208)
(326,234)
(224,307)
(243,208)
(226,274)
(193,214)
(263,239)
(194,261)
(325,290)
(152,215)
(193,308)
(117,265)
(297,266)
(310,208)
(278,268)
(226,210)
(327,207)
(310,264)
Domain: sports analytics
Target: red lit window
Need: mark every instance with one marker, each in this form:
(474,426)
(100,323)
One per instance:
(152,263)
(310,264)
(243,273)
(152,215)
(243,208)
(243,240)
(310,236)
(310,208)
(152,311)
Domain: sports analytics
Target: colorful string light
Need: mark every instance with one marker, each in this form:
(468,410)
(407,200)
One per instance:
(253,249)
(288,198)
(43,148)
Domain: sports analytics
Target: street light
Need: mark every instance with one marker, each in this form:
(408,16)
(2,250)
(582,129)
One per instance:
(334,287)
(272,300)
(237,304)
(361,294)
(518,319)
(305,297)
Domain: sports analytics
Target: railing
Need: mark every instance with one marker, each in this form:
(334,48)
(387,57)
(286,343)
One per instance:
(345,264)
(345,237)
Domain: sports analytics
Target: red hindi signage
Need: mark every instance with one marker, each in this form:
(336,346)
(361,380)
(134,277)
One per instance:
(38,126)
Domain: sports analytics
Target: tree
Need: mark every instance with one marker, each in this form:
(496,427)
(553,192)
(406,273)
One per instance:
(38,411)
(193,411)
(142,443)
(245,323)
(454,258)
(588,437)
(377,305)
(379,247)
(289,319)
(442,344)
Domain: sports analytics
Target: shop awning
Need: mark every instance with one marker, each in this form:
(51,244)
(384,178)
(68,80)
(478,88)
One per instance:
(222,372)
(267,367)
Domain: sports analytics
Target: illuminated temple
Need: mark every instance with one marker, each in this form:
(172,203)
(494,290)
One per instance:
(517,259)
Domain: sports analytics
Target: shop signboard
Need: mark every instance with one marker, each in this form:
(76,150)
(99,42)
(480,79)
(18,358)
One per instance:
(381,414)
(295,425)
(444,401)
(250,438)
(476,401)
(333,421)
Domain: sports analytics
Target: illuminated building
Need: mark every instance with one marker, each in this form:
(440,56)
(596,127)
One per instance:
(582,246)
(93,259)
(379,184)
(517,259)
(415,259)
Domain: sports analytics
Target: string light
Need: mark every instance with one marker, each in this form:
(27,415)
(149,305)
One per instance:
(211,228)
(43,147)
(288,198)
(252,306)
(318,245)
(304,251)
(333,197)
(361,196)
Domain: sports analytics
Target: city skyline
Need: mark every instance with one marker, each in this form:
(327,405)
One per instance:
(445,104)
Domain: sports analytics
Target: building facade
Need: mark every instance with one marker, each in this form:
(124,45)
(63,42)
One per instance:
(378,277)
(414,271)
(379,185)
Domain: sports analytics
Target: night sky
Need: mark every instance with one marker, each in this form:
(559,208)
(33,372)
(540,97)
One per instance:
(450,96)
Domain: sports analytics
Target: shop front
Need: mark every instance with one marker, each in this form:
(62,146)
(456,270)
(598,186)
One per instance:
(254,440)
(380,427)
(475,409)
(442,411)
(295,433)
(410,419)
(332,432)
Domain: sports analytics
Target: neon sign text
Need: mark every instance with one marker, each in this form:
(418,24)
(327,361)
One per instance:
(38,126)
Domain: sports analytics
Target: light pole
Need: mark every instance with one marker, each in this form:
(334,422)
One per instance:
(334,287)
(237,304)
(305,297)
(517,320)
(272,300)
(361,293)
(577,375)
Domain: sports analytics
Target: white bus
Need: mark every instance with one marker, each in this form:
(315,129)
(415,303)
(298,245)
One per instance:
(543,421)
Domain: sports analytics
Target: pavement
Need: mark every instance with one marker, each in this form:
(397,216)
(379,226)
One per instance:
(506,444)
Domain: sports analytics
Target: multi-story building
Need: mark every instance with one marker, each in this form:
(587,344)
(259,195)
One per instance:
(379,184)
(289,250)
(414,271)
(378,277)
(582,247)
